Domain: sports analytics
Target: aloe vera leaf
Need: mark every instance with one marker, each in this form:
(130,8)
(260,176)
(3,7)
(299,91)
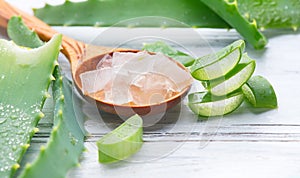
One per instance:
(21,35)
(164,48)
(272,13)
(66,141)
(25,75)
(110,12)
(230,13)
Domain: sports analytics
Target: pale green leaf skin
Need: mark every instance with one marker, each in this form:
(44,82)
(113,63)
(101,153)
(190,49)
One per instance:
(25,78)
(66,141)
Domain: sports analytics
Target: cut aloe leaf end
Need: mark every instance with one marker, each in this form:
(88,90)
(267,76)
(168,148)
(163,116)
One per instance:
(122,142)
(213,66)
(164,48)
(208,105)
(66,133)
(260,92)
(234,80)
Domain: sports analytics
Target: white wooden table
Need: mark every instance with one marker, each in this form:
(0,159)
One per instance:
(246,143)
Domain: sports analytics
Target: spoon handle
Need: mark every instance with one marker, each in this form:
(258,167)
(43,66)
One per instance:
(74,50)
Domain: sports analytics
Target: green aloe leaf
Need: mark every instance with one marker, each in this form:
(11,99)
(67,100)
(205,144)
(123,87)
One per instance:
(230,13)
(110,12)
(267,13)
(65,145)
(271,13)
(164,48)
(25,75)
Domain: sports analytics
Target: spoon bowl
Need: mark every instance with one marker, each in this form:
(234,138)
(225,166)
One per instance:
(85,57)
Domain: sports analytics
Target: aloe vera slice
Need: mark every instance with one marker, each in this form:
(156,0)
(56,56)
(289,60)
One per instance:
(122,142)
(213,66)
(260,92)
(25,75)
(234,80)
(205,104)
(164,48)
(66,140)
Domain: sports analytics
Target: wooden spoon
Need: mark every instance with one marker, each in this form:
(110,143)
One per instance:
(85,57)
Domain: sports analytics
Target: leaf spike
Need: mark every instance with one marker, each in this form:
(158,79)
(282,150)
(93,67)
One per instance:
(233,3)
(35,130)
(43,148)
(16,166)
(55,129)
(253,23)
(294,27)
(62,97)
(47,94)
(247,15)
(60,112)
(52,78)
(56,63)
(41,115)
(27,166)
(26,146)
(78,165)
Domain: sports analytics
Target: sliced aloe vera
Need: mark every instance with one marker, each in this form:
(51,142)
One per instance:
(213,66)
(122,142)
(25,75)
(260,92)
(65,144)
(164,48)
(234,80)
(206,104)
